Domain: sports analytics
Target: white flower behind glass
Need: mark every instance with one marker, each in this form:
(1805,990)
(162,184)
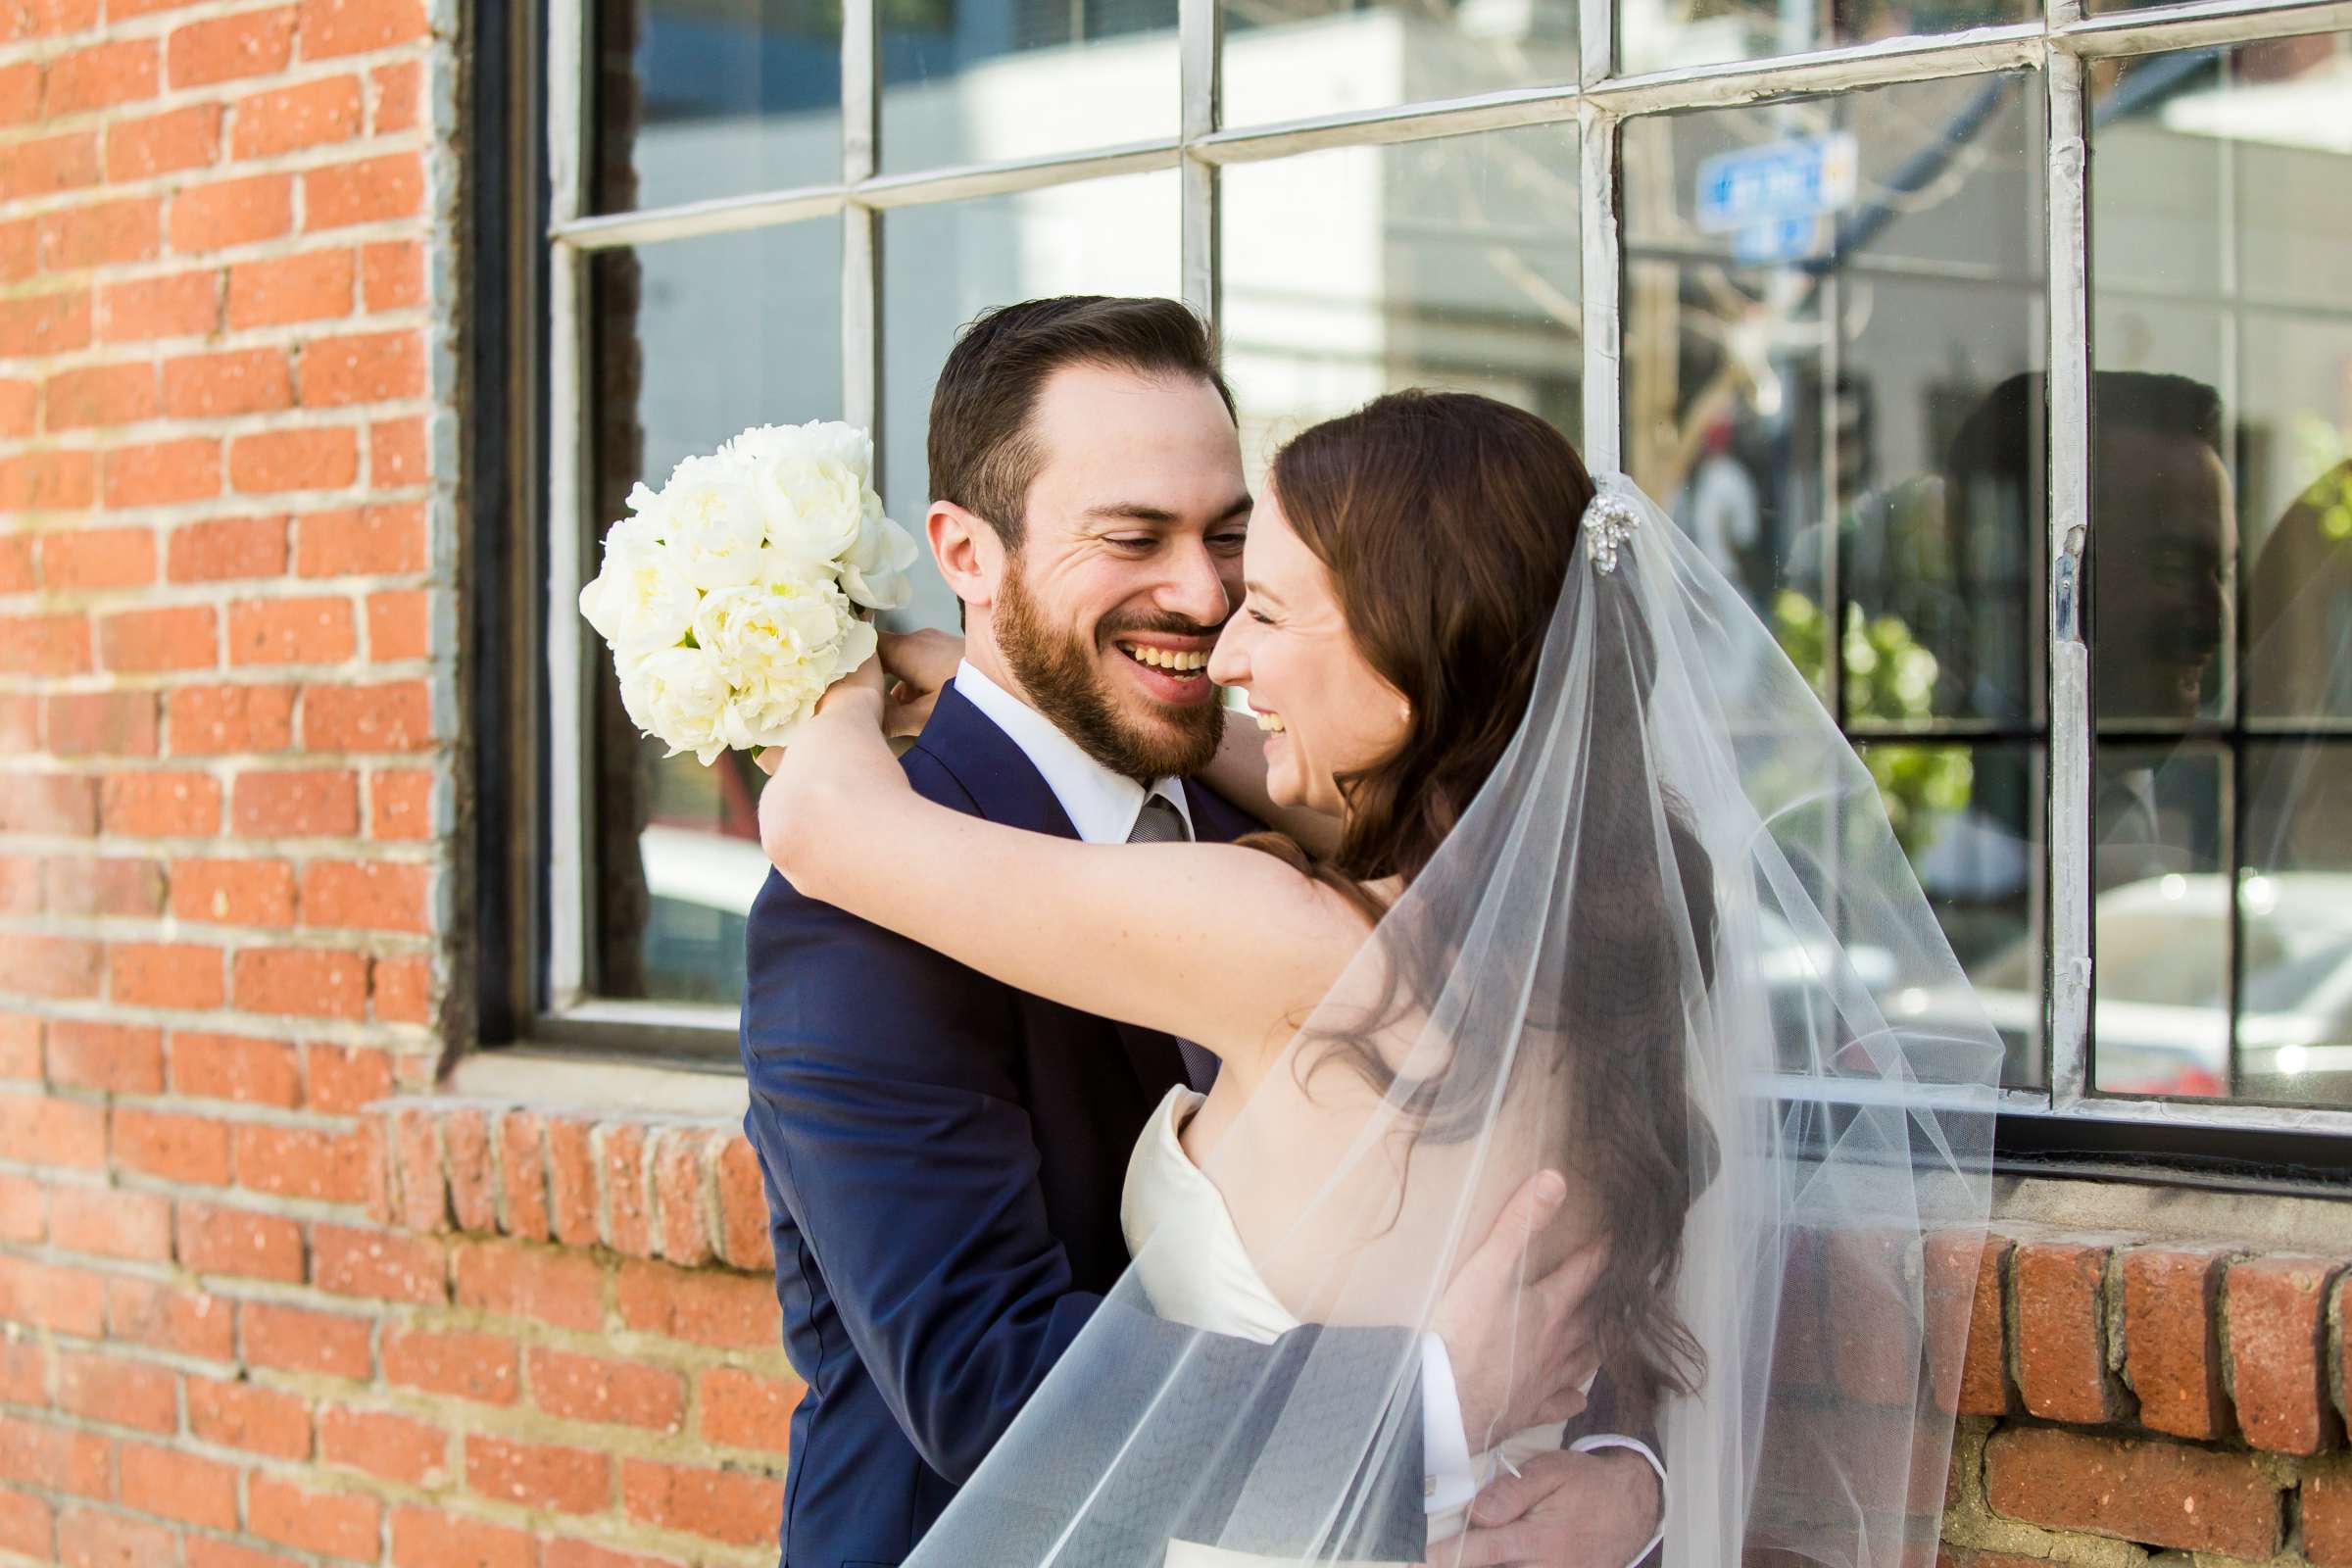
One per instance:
(734,595)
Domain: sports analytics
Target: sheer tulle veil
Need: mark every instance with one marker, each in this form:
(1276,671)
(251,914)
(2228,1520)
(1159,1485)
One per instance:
(1679,871)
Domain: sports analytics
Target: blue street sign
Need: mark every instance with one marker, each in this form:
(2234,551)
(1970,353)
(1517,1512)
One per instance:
(1778,239)
(1757,191)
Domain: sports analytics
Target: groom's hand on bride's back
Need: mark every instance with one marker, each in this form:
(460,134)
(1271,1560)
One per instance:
(1562,1510)
(1521,1349)
(920,666)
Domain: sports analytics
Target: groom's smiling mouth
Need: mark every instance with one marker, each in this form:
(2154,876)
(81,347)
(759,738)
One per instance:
(1172,674)
(1175,661)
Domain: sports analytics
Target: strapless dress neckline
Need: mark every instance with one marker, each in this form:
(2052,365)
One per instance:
(1197,1272)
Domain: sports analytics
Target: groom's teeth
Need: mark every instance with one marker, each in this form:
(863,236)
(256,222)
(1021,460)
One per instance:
(1182,663)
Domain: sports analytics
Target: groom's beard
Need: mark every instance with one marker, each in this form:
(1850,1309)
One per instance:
(1064,682)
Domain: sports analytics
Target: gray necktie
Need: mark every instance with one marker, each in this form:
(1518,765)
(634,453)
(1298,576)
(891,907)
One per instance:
(1159,822)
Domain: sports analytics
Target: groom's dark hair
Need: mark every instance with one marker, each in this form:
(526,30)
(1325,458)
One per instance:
(983,456)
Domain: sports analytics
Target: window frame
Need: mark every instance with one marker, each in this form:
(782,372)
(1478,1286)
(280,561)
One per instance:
(533,980)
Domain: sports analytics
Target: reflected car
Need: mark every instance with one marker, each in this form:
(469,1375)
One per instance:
(2162,1019)
(700,887)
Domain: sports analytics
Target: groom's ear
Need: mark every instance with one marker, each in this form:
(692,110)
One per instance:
(970,556)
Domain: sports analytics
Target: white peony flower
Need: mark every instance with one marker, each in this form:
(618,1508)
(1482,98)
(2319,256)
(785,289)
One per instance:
(643,598)
(678,695)
(874,569)
(711,513)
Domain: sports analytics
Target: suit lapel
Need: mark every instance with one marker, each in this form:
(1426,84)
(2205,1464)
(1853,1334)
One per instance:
(1007,789)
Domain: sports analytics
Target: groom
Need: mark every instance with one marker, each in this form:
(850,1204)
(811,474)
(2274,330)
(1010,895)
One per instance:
(944,1155)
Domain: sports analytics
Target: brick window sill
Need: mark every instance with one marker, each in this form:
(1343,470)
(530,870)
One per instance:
(649,1163)
(2177,1382)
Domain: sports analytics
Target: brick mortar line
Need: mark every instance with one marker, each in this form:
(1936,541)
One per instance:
(95,763)
(685,1357)
(455,1497)
(174,1019)
(179,1103)
(413,853)
(301,418)
(292,245)
(102,439)
(403,852)
(297,237)
(362,1031)
(226,594)
(298,71)
(294,241)
(172,21)
(399,1040)
(169,928)
(121,353)
(232,504)
(168,429)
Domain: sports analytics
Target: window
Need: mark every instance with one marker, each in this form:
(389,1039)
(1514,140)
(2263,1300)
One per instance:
(2003,356)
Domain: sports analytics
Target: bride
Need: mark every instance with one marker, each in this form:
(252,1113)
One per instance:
(1601,870)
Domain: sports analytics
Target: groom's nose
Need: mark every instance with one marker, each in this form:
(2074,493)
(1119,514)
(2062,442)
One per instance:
(1192,586)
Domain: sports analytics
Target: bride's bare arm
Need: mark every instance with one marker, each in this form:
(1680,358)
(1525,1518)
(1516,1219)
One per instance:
(1216,944)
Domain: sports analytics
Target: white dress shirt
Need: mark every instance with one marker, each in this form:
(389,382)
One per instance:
(1103,807)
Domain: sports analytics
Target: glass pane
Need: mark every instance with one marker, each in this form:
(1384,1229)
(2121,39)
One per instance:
(1970,820)
(976,82)
(693,340)
(1292,59)
(1663,35)
(2294,1021)
(2222,568)
(1446,263)
(2294,443)
(944,264)
(1844,355)
(2160,921)
(2223,405)
(701,98)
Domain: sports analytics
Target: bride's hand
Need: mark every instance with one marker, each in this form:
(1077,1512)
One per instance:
(920,665)
(1521,1349)
(836,759)
(865,680)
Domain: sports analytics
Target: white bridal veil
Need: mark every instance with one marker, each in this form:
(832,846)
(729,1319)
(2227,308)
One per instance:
(1672,950)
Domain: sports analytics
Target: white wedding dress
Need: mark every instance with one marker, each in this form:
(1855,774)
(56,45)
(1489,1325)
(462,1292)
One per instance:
(1198,1273)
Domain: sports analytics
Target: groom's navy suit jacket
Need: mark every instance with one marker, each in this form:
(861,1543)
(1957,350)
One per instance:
(944,1156)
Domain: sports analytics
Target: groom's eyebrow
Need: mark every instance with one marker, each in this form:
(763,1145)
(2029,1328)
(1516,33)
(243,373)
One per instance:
(1144,512)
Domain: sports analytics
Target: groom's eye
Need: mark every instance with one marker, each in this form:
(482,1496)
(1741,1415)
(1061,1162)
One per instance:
(1230,541)
(1135,542)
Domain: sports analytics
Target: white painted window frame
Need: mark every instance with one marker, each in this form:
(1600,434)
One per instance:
(2056,49)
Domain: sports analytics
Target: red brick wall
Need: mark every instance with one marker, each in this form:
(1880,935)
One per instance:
(2122,1396)
(227,794)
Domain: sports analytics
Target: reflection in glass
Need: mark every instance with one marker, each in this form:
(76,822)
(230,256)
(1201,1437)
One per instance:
(1294,58)
(2222,557)
(944,264)
(704,98)
(1833,318)
(1449,264)
(2160,920)
(1808,369)
(693,340)
(978,81)
(1970,817)
(1663,34)
(2294,1023)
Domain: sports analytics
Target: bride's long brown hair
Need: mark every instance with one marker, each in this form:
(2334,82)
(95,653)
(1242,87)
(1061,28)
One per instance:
(1449,524)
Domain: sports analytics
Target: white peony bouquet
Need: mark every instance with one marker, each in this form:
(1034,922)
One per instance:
(734,595)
